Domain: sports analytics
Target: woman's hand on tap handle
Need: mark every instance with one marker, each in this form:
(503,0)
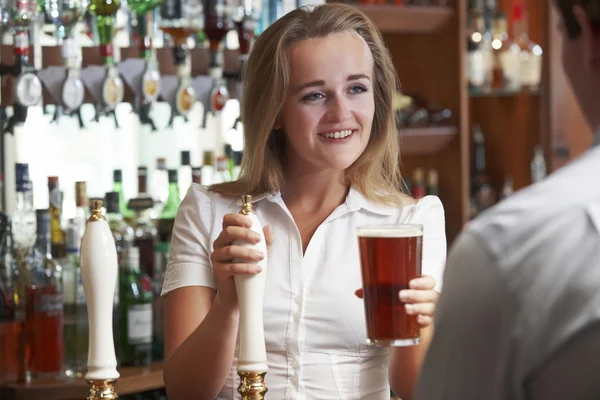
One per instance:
(236,227)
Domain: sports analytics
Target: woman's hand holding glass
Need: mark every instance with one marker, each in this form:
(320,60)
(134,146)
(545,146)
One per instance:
(236,227)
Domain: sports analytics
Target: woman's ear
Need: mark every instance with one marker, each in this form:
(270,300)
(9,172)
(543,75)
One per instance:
(278,124)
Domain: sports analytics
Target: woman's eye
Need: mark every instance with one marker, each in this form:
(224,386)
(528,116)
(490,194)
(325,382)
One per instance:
(313,96)
(358,89)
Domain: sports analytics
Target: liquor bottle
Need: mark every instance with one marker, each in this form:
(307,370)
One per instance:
(185,172)
(24,221)
(538,165)
(142,174)
(105,12)
(82,207)
(45,302)
(432,183)
(531,52)
(160,184)
(144,232)
(482,193)
(76,329)
(135,304)
(197,175)
(166,219)
(58,235)
(208,167)
(507,188)
(180,19)
(121,230)
(475,51)
(506,73)
(217,22)
(66,15)
(418,184)
(245,17)
(11,340)
(8,270)
(146,240)
(151,77)
(118,187)
(223,174)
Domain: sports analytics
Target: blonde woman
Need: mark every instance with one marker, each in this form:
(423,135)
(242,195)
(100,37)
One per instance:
(321,157)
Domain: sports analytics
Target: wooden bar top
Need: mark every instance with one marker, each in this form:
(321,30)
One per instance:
(132,380)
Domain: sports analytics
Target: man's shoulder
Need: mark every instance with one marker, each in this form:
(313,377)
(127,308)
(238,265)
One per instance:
(548,206)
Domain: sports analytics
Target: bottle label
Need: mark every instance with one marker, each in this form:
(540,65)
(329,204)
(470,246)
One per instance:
(106,50)
(139,323)
(476,68)
(21,44)
(50,304)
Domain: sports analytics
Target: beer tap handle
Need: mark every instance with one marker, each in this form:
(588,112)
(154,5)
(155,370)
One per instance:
(99,271)
(252,360)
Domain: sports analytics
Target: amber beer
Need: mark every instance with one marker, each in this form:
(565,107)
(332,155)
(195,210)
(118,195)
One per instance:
(390,257)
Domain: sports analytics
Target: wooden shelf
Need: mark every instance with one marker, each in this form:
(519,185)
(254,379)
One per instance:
(407,19)
(132,380)
(420,141)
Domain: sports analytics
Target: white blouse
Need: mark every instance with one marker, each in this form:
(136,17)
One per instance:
(314,325)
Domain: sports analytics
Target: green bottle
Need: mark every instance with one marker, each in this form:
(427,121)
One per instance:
(105,12)
(166,219)
(141,8)
(135,303)
(127,213)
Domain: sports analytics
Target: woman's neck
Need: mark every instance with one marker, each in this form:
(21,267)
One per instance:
(314,191)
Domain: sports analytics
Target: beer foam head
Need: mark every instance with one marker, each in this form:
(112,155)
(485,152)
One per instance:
(390,231)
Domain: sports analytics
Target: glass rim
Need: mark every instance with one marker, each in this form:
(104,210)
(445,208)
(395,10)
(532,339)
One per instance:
(390,230)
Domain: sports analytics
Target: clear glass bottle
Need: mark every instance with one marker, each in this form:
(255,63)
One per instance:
(45,302)
(76,323)
(531,52)
(506,65)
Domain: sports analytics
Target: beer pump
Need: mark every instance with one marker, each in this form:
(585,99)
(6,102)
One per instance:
(252,359)
(27,86)
(99,272)
(65,81)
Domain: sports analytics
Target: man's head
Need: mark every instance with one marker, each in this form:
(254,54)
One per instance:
(580,26)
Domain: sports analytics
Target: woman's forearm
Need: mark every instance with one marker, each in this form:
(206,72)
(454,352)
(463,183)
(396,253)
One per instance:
(202,363)
(405,365)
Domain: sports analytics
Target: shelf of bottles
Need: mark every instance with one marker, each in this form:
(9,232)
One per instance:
(501,62)
(483,193)
(407,16)
(43,319)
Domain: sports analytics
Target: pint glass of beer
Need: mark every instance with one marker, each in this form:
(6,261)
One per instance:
(390,257)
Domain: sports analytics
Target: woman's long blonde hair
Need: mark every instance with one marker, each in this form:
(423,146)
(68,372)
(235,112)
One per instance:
(266,76)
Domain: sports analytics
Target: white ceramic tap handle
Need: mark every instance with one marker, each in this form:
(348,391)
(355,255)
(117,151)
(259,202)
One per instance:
(99,270)
(250,291)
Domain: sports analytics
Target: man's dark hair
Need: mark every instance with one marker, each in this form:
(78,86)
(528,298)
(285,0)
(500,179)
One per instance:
(592,10)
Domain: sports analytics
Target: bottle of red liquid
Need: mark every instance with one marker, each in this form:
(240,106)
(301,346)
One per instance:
(45,303)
